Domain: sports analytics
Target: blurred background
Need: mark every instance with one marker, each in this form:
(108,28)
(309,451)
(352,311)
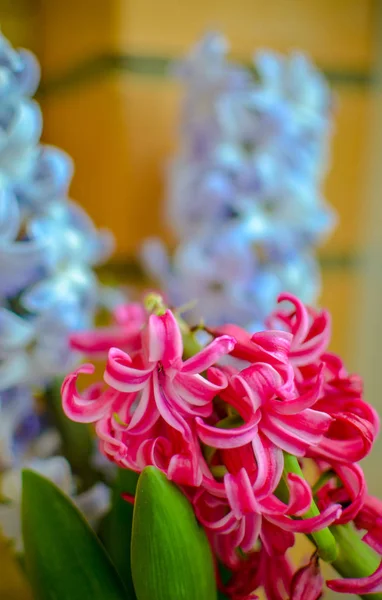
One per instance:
(109,101)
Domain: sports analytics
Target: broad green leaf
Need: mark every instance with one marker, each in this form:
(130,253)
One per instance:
(117,526)
(170,555)
(64,558)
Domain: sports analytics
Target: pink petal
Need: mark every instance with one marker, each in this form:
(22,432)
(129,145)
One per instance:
(164,339)
(209,355)
(97,342)
(301,325)
(276,541)
(300,495)
(227,438)
(326,518)
(366,585)
(307,582)
(132,314)
(184,471)
(296,433)
(83,409)
(240,493)
(354,485)
(195,389)
(252,531)
(271,346)
(258,382)
(374,538)
(164,406)
(290,407)
(121,376)
(146,413)
(270,464)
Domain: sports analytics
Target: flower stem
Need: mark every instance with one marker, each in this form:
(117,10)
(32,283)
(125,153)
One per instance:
(323,539)
(355,558)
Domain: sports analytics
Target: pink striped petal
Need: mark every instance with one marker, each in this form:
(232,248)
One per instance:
(326,518)
(270,464)
(184,471)
(296,433)
(146,413)
(164,340)
(163,404)
(271,346)
(252,532)
(366,585)
(354,486)
(307,582)
(209,355)
(84,409)
(301,325)
(130,314)
(121,376)
(240,493)
(300,495)
(227,438)
(97,342)
(197,390)
(296,405)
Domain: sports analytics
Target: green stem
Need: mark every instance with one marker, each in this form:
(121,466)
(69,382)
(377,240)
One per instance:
(323,539)
(355,558)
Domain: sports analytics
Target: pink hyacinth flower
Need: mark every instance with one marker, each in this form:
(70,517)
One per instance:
(170,387)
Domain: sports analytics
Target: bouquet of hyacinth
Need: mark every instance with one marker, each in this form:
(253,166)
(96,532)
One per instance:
(228,452)
(244,193)
(48,289)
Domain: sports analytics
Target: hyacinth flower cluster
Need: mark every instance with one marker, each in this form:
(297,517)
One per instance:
(263,433)
(48,248)
(244,197)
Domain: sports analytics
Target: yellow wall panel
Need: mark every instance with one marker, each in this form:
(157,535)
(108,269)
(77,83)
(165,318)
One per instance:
(122,135)
(334,32)
(76,30)
(345,185)
(337,296)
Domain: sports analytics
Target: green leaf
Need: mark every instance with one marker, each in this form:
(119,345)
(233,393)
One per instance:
(170,555)
(117,527)
(63,556)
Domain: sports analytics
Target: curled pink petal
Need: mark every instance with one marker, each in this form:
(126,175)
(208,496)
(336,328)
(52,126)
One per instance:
(300,495)
(366,585)
(83,409)
(197,390)
(310,525)
(209,355)
(240,493)
(270,464)
(227,438)
(121,376)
